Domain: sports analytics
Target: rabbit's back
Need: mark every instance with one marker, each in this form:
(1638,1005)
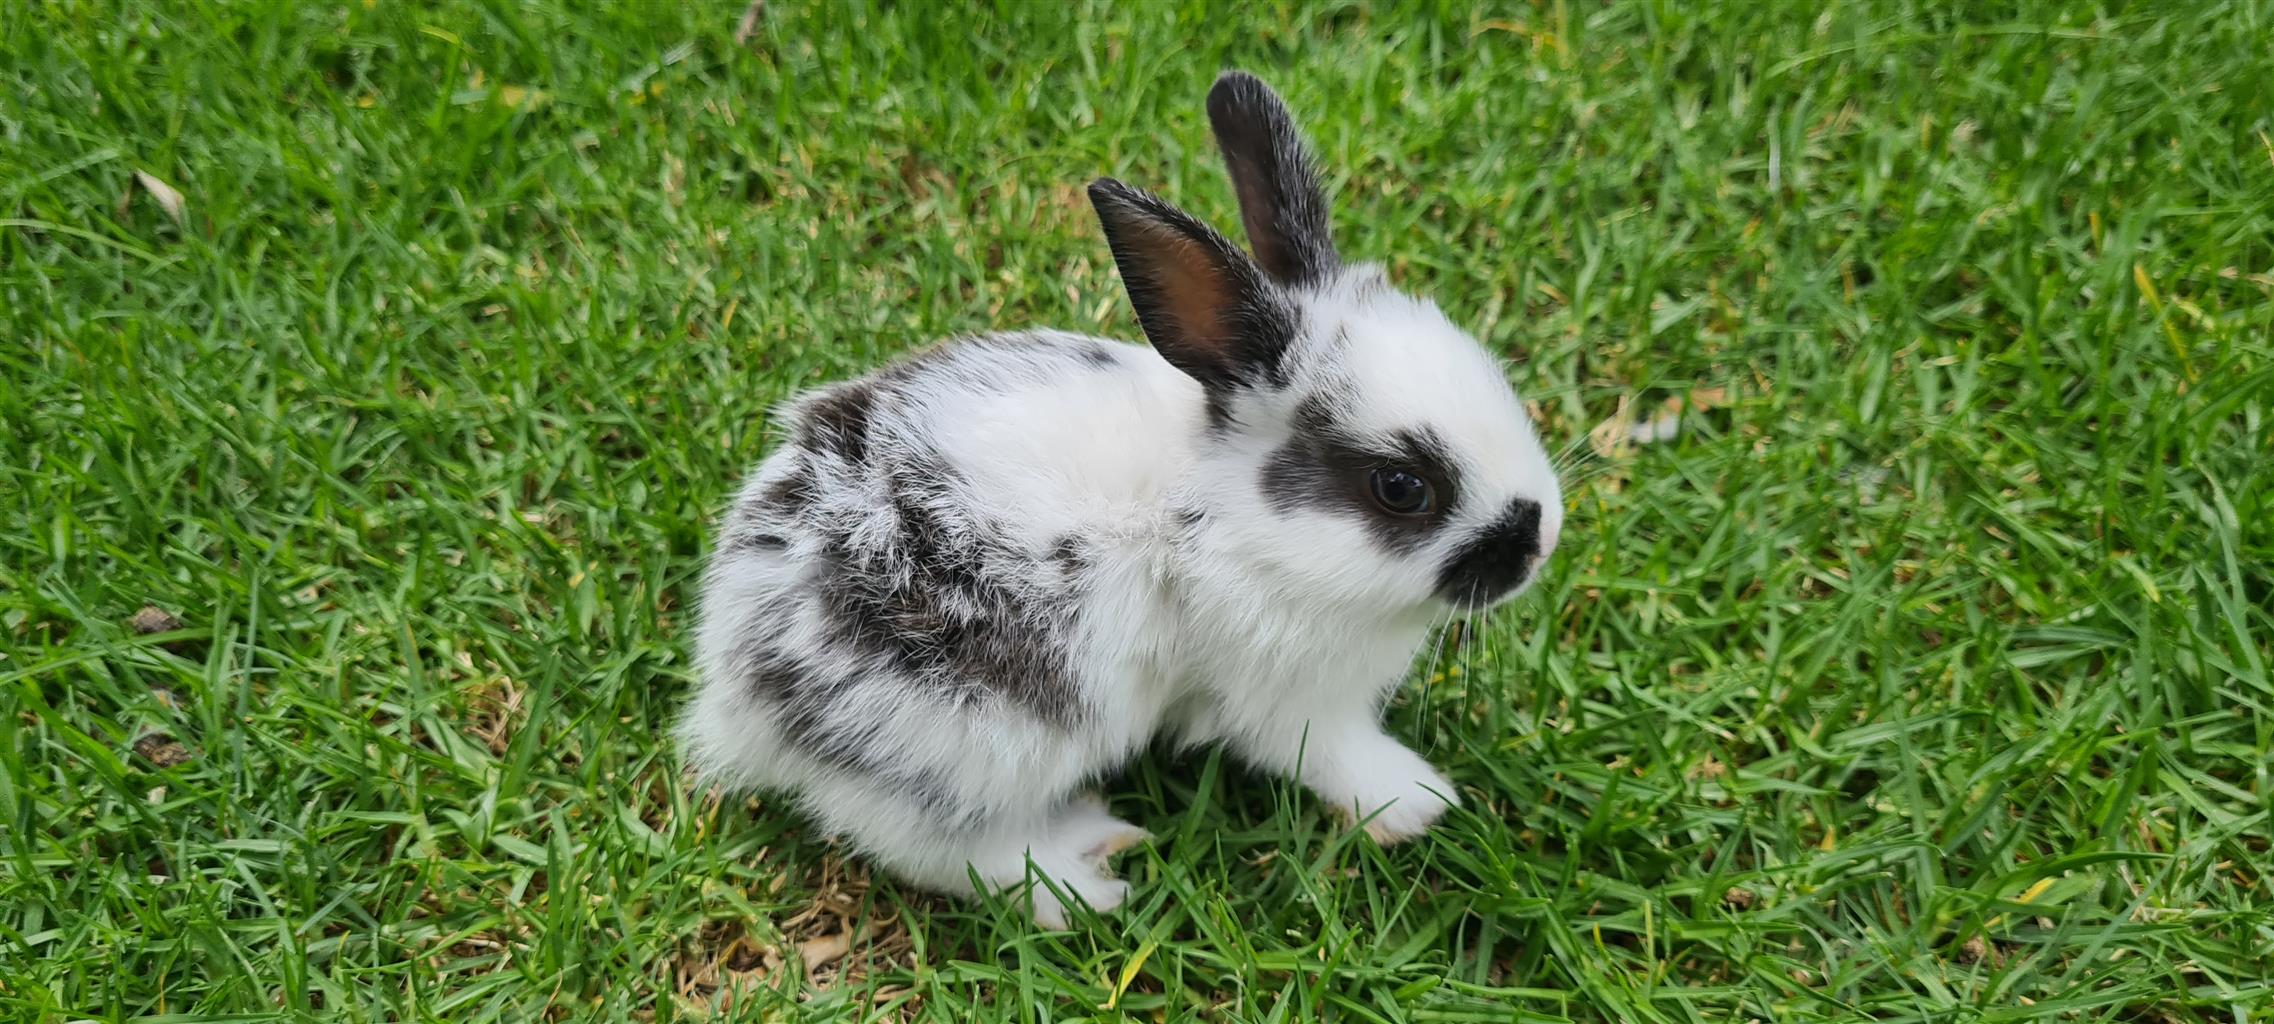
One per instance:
(896,599)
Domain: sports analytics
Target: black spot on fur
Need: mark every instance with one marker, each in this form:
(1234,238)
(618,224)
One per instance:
(774,676)
(745,541)
(1219,407)
(837,422)
(1496,560)
(757,521)
(1068,553)
(804,695)
(940,604)
(788,496)
(1325,467)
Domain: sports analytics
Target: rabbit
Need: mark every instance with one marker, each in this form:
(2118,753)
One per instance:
(969,586)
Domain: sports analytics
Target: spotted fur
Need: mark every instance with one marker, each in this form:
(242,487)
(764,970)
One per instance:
(972,584)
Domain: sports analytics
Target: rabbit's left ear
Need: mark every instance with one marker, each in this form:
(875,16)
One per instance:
(1205,306)
(1281,203)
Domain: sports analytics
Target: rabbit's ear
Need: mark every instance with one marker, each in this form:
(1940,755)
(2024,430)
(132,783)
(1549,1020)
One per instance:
(1203,303)
(1281,203)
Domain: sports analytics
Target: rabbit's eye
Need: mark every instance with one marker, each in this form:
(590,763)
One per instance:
(1402,493)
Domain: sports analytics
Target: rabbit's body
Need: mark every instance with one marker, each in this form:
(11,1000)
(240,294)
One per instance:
(930,548)
(971,584)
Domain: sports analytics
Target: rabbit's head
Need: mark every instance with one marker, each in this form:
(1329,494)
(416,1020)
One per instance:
(1359,447)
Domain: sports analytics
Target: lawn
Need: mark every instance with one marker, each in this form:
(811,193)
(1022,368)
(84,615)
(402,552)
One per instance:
(372,372)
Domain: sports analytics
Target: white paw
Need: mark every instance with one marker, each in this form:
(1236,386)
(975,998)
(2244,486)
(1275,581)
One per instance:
(1101,894)
(1396,793)
(1074,855)
(1092,834)
(1408,816)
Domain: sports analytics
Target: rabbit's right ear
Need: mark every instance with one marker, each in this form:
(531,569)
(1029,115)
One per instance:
(1281,202)
(1204,305)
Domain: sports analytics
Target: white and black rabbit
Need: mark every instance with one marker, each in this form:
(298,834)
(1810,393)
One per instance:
(974,583)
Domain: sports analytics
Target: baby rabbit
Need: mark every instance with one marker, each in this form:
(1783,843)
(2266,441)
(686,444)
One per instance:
(972,584)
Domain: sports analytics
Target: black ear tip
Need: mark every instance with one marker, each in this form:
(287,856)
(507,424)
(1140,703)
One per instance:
(1234,78)
(1108,192)
(1120,203)
(1236,91)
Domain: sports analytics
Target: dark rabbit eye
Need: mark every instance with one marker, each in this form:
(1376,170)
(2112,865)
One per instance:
(1403,493)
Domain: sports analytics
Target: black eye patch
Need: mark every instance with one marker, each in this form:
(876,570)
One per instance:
(1327,467)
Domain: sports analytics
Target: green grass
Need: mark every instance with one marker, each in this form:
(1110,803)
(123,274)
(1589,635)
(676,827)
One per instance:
(1925,676)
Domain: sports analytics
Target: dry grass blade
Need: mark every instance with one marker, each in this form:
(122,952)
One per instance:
(167,196)
(825,949)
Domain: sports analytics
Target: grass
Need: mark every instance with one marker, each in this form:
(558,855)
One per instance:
(1923,676)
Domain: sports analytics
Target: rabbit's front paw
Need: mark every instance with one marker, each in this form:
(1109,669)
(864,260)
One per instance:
(1396,793)
(1086,826)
